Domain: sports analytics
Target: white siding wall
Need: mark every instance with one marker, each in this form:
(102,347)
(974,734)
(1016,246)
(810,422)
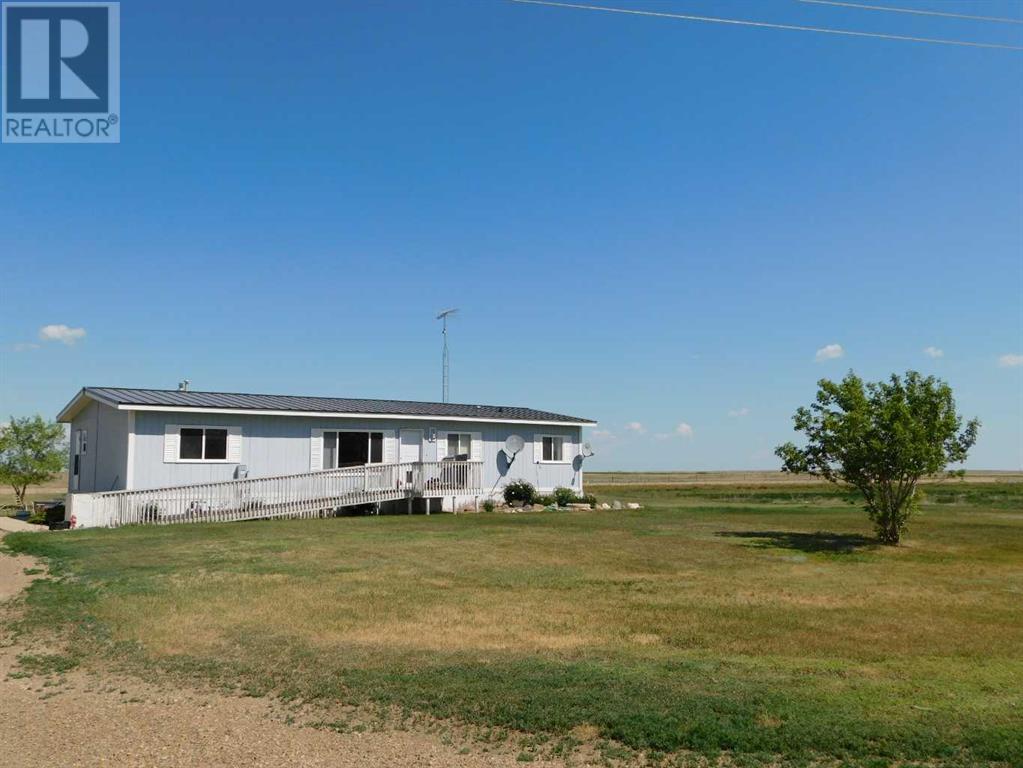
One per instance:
(280,445)
(104,465)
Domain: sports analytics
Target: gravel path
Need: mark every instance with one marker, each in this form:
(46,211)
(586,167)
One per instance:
(13,525)
(80,719)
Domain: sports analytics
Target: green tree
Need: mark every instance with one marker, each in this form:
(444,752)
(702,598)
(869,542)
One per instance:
(881,438)
(32,451)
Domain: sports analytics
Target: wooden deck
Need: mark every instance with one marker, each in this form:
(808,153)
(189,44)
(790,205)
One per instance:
(310,494)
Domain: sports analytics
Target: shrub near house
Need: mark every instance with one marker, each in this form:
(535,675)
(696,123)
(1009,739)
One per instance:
(519,492)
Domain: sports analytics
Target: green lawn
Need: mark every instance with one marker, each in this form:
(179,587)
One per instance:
(759,622)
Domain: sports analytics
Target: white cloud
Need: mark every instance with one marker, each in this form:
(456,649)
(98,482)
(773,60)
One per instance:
(61,333)
(635,426)
(25,346)
(739,412)
(684,430)
(1010,361)
(934,352)
(829,352)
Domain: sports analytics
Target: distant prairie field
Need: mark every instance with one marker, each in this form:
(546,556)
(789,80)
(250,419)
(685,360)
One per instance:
(765,477)
(54,490)
(751,626)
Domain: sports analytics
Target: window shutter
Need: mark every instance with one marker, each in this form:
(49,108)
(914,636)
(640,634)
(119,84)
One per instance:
(476,447)
(234,444)
(171,439)
(567,449)
(316,450)
(537,448)
(390,447)
(442,446)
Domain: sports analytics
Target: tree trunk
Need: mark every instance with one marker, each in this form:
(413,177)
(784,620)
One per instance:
(889,532)
(890,537)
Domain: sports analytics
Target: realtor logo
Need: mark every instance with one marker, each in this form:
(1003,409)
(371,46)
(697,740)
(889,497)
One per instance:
(61,73)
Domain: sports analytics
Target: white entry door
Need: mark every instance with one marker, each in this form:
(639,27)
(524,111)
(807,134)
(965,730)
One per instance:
(411,445)
(411,450)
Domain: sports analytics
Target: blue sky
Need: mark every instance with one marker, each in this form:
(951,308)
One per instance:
(649,222)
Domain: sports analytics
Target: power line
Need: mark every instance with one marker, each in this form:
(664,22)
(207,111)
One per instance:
(769,25)
(914,11)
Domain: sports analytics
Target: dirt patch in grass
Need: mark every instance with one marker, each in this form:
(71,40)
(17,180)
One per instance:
(54,713)
(56,717)
(16,573)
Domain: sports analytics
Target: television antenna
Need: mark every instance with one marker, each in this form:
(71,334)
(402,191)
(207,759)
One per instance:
(443,316)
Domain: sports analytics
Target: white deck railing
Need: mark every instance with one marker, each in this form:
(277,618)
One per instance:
(303,495)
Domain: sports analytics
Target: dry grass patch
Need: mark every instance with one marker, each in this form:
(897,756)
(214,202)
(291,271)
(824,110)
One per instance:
(754,623)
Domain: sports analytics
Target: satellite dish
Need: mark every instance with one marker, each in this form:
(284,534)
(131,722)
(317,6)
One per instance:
(513,444)
(587,451)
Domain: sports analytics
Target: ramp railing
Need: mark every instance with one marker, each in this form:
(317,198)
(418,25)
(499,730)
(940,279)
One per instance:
(307,494)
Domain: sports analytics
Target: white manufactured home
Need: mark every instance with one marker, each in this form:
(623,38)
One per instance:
(160,456)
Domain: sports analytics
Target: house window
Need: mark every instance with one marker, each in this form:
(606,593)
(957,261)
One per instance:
(202,444)
(329,450)
(459,445)
(553,448)
(352,449)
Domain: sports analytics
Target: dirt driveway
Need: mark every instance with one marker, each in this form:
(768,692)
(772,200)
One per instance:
(80,719)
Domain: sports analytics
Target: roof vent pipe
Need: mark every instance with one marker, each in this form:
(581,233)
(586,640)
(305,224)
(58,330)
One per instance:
(183,385)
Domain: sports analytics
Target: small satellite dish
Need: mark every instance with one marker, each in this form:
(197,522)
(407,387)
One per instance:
(513,445)
(587,451)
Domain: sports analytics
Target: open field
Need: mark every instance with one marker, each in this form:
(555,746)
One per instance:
(753,622)
(763,477)
(55,489)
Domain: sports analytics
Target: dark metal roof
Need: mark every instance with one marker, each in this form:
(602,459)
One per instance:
(340,405)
